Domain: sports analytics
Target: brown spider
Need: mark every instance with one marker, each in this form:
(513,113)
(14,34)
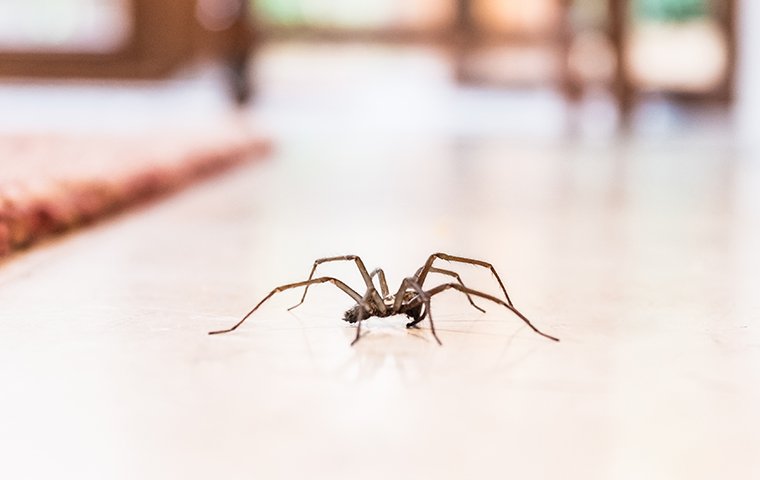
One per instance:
(408,300)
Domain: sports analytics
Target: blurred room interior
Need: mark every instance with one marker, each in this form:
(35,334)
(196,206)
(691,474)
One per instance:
(549,66)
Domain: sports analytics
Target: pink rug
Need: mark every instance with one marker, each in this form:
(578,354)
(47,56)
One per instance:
(54,183)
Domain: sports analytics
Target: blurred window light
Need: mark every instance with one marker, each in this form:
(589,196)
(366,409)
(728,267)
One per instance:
(86,26)
(685,57)
(357,14)
(517,17)
(678,46)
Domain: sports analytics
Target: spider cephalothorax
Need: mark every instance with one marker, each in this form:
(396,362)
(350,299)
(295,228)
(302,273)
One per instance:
(409,300)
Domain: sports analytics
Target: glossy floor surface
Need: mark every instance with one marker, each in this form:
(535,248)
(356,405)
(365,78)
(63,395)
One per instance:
(640,254)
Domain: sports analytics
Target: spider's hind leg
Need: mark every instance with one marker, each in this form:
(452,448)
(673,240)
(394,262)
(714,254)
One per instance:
(361,314)
(361,302)
(373,296)
(383,283)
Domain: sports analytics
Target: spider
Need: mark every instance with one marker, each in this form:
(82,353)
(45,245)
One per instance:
(408,300)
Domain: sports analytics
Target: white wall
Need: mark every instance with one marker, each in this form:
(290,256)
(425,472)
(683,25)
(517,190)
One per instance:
(748,72)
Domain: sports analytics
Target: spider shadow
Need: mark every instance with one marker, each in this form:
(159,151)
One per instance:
(384,348)
(387,349)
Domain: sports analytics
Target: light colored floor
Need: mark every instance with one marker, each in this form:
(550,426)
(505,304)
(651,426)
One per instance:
(639,253)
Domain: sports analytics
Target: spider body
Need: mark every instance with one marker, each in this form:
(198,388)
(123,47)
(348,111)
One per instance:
(411,309)
(409,300)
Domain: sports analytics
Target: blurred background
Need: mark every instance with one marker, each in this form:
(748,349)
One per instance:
(590,67)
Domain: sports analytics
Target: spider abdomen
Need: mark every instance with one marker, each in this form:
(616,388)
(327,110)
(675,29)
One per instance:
(352,314)
(356,313)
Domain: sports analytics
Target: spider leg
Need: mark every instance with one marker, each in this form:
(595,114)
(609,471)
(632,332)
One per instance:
(458,279)
(424,297)
(359,321)
(451,258)
(456,286)
(306,283)
(383,284)
(374,296)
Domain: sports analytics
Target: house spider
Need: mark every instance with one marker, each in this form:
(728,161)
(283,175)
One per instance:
(408,300)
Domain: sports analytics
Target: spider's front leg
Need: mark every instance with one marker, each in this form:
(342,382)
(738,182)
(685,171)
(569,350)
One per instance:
(428,267)
(423,297)
(456,286)
(456,276)
(374,297)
